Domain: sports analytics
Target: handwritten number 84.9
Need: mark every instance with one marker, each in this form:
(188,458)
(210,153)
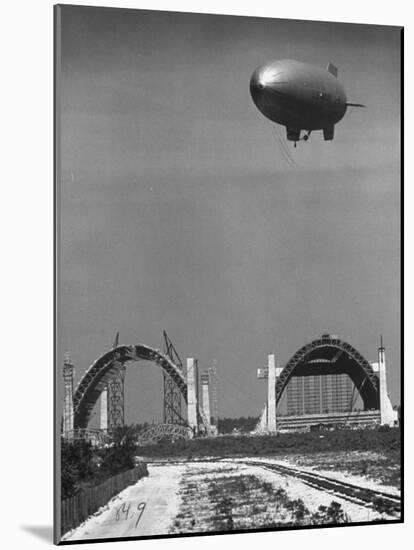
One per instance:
(125,509)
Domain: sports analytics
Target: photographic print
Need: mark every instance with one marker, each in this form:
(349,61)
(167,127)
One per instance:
(228,339)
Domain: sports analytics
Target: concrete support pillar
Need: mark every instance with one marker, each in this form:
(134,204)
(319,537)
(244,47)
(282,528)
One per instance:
(205,388)
(68,397)
(192,394)
(104,410)
(271,394)
(388,415)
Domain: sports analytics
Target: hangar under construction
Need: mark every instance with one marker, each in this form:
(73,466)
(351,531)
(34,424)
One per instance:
(327,383)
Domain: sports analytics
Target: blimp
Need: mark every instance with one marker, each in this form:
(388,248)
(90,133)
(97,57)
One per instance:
(302,97)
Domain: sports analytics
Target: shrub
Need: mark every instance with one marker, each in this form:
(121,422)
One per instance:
(330,514)
(78,465)
(384,428)
(121,456)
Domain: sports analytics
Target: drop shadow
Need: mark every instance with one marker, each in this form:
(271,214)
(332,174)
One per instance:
(43,532)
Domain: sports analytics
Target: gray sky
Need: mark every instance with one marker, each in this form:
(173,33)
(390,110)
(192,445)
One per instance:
(179,212)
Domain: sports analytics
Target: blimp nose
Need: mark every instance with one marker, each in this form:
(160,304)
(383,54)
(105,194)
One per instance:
(266,82)
(271,91)
(256,84)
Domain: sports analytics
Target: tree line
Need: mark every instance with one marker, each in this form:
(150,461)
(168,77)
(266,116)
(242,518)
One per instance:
(243,424)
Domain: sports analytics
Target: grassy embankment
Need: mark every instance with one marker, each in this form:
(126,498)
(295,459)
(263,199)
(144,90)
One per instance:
(385,441)
(373,454)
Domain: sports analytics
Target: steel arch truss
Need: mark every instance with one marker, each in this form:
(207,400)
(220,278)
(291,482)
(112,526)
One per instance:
(330,355)
(154,434)
(103,369)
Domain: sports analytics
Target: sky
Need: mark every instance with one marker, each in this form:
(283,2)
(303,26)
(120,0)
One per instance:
(178,211)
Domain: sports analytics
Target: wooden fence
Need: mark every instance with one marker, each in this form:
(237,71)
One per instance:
(78,508)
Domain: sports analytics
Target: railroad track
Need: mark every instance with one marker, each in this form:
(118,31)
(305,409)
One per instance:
(377,500)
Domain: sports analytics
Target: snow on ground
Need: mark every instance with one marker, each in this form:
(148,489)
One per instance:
(296,489)
(146,508)
(210,470)
(204,472)
(151,506)
(360,481)
(313,498)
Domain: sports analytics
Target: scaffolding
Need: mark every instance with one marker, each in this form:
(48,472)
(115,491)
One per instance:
(212,371)
(116,398)
(172,394)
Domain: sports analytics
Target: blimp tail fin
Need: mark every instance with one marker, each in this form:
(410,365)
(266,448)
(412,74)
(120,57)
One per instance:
(355,104)
(328,133)
(332,69)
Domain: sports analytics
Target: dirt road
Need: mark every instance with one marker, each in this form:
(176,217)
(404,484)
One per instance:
(146,508)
